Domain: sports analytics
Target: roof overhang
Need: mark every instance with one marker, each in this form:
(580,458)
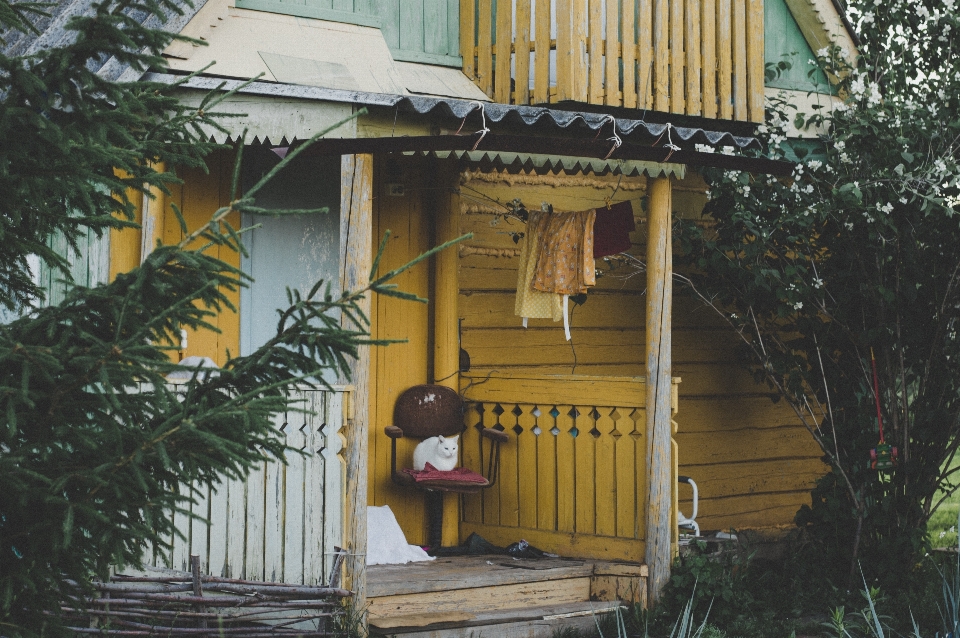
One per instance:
(495,127)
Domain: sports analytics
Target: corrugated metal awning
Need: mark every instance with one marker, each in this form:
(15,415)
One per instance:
(556,164)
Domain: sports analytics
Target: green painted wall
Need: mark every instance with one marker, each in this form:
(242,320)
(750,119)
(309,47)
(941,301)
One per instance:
(783,40)
(415,30)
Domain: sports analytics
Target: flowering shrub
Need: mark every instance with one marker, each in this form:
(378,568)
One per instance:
(858,249)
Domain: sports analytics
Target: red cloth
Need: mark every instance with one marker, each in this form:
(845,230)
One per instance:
(612,228)
(430,473)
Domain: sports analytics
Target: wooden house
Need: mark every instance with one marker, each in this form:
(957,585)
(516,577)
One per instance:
(469,106)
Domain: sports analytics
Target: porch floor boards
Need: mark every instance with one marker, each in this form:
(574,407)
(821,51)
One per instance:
(496,595)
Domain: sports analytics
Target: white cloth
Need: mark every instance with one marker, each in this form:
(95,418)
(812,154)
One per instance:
(386,544)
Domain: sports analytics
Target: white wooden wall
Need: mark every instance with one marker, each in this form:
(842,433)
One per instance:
(282,523)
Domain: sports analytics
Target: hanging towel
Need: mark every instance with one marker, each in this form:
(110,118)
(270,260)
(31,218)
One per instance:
(565,264)
(612,228)
(530,302)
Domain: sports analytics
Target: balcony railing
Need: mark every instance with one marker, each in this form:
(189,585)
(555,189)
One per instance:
(691,57)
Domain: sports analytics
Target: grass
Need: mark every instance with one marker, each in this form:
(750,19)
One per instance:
(942,529)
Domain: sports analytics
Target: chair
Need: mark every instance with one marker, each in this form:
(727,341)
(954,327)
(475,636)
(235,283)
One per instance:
(424,411)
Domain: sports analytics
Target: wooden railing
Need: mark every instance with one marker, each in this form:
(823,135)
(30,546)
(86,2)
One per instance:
(573,475)
(280,524)
(692,57)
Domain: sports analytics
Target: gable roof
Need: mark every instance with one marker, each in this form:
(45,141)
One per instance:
(825,23)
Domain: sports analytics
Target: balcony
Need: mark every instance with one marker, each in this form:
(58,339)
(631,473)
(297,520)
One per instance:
(691,57)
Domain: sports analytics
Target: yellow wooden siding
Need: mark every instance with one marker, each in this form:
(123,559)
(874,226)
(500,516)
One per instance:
(396,367)
(200,195)
(751,457)
(125,242)
(659,54)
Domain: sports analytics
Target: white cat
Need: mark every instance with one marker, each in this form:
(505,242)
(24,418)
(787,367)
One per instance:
(438,451)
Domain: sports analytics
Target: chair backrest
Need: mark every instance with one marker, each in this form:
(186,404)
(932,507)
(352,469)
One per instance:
(429,410)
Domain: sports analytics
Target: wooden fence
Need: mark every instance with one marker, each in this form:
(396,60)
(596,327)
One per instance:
(282,523)
(573,475)
(693,57)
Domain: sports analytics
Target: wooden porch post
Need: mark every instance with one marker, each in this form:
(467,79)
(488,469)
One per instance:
(446,343)
(356,249)
(659,385)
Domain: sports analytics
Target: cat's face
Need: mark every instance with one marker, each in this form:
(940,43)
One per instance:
(447,447)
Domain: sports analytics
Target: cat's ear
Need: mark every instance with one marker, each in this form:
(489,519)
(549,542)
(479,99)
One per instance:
(440,438)
(454,438)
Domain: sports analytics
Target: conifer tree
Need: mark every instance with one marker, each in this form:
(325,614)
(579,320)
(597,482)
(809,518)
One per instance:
(93,442)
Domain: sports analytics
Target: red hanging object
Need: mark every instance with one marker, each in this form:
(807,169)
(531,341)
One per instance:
(884,456)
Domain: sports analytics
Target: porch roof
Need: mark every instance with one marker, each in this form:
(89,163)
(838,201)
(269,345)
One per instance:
(522,129)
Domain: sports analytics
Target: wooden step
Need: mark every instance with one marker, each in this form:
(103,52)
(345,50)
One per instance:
(514,622)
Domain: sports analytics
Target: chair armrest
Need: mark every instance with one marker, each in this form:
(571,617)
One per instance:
(494,435)
(393,432)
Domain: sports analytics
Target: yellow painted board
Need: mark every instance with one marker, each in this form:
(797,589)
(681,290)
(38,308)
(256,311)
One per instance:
(758,478)
(568,389)
(565,544)
(755,60)
(522,55)
(606,474)
(468,38)
(612,47)
(527,480)
(508,483)
(470,453)
(733,413)
(125,243)
(502,48)
(708,43)
(566,468)
(541,59)
(491,497)
(740,60)
(646,41)
(580,18)
(750,512)
(595,53)
(546,472)
(628,44)
(585,476)
(484,46)
(692,47)
(725,57)
(677,44)
(631,479)
(745,444)
(497,309)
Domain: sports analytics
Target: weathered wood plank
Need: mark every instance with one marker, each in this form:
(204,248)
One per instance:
(708,45)
(541,58)
(236,524)
(468,42)
(647,70)
(502,46)
(740,82)
(755,60)
(661,61)
(485,46)
(677,97)
(470,447)
(628,45)
(580,25)
(611,53)
(725,57)
(356,256)
(217,557)
(605,472)
(566,479)
(508,482)
(532,594)
(658,386)
(522,55)
(547,488)
(294,502)
(255,524)
(692,44)
(199,528)
(565,50)
(595,51)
